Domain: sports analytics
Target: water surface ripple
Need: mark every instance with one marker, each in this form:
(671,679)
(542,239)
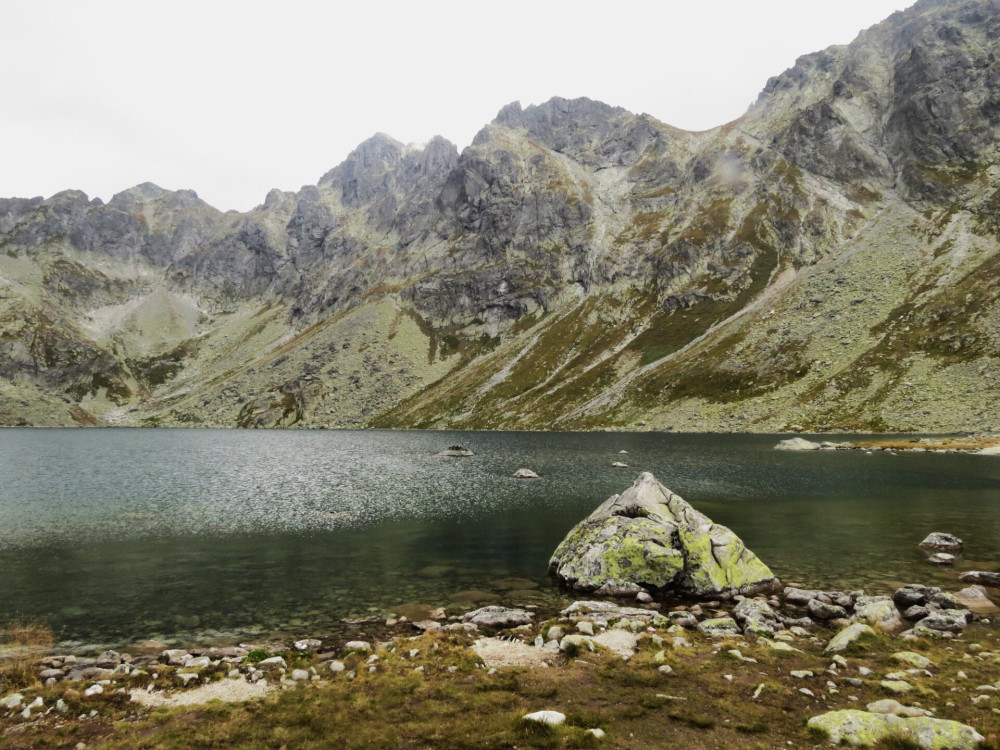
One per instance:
(117,535)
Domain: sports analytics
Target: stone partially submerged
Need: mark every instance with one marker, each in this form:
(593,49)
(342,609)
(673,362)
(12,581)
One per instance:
(456,451)
(648,538)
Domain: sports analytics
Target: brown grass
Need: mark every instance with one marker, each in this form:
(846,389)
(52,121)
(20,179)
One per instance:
(21,643)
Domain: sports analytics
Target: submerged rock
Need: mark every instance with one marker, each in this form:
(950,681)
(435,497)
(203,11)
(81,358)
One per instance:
(650,538)
(941,558)
(456,451)
(861,728)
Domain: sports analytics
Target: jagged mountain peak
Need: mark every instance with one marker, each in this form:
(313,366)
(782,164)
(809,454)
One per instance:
(826,261)
(148,192)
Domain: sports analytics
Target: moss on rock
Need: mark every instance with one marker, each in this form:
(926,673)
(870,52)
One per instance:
(650,538)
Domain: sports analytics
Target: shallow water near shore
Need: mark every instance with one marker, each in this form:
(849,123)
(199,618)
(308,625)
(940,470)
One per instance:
(114,536)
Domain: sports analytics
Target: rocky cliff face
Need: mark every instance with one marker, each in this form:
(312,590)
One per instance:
(824,262)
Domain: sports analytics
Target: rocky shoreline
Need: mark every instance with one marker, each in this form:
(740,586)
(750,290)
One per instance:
(976,445)
(83,688)
(924,663)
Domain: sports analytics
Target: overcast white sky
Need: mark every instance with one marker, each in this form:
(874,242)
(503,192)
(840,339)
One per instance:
(233,98)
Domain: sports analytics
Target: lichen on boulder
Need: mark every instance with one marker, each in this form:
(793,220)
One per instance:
(863,729)
(648,538)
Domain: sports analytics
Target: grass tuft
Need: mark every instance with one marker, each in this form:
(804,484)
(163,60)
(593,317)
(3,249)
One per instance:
(21,643)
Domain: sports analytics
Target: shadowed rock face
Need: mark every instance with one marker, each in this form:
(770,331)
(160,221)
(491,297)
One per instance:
(650,538)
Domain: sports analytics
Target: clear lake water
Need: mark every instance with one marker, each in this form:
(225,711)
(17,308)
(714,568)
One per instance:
(117,535)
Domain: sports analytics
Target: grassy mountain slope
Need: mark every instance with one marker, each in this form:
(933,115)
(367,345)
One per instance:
(824,262)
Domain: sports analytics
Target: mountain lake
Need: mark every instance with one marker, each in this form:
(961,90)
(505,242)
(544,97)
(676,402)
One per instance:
(114,536)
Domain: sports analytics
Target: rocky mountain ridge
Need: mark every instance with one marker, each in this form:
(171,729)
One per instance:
(825,262)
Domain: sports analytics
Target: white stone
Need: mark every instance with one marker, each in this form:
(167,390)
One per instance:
(14,700)
(553,718)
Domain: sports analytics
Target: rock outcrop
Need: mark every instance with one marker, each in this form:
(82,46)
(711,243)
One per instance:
(648,538)
(825,262)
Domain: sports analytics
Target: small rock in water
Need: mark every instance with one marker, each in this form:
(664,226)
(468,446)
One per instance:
(981,577)
(619,465)
(308,644)
(525,474)
(941,541)
(456,451)
(797,444)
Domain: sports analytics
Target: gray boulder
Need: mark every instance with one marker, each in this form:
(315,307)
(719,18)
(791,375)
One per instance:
(861,728)
(981,577)
(974,598)
(797,444)
(879,612)
(650,538)
(914,593)
(849,635)
(719,627)
(757,617)
(941,541)
(800,597)
(945,620)
(499,617)
(821,611)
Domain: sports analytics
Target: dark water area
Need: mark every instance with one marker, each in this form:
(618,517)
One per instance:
(118,535)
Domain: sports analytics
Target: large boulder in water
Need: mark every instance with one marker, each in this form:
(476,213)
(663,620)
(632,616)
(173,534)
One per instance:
(650,538)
